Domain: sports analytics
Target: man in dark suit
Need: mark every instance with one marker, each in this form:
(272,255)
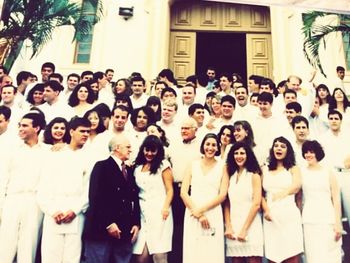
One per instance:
(113,217)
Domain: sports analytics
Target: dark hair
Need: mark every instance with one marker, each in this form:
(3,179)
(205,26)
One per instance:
(124,98)
(100,126)
(4,69)
(230,128)
(265,97)
(244,87)
(154,100)
(138,78)
(48,139)
(6,111)
(288,162)
(251,163)
(99,75)
(249,140)
(54,85)
(75,75)
(122,108)
(23,75)
(226,75)
(290,91)
(57,76)
(333,112)
(76,122)
(195,106)
(48,65)
(254,94)
(209,136)
(340,68)
(323,86)
(73,98)
(109,70)
(148,112)
(333,102)
(271,84)
(127,83)
(315,147)
(38,120)
(153,143)
(294,106)
(167,89)
(229,99)
(103,110)
(297,119)
(85,73)
(168,74)
(257,79)
(210,94)
(163,137)
(202,79)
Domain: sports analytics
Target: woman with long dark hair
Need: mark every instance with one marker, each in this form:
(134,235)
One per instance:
(226,139)
(57,131)
(81,99)
(283,237)
(243,227)
(154,178)
(203,222)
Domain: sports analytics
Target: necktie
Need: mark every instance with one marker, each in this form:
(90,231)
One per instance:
(124,171)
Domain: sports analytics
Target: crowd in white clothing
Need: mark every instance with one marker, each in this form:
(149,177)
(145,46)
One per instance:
(262,169)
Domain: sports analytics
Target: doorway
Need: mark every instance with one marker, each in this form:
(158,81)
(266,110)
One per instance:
(226,52)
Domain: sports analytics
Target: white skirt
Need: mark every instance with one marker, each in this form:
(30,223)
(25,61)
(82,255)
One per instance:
(320,244)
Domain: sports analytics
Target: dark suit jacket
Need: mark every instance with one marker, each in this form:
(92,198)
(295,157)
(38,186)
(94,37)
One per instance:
(112,199)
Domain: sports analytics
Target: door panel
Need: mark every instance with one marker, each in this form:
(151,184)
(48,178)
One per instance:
(259,54)
(182,54)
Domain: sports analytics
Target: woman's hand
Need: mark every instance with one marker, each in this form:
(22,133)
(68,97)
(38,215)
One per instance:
(165,213)
(337,231)
(267,215)
(242,236)
(196,213)
(229,232)
(204,222)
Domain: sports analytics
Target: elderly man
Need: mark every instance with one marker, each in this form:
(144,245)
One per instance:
(113,217)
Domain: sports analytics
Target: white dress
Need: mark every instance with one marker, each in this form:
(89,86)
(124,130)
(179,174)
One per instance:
(318,218)
(155,231)
(201,245)
(283,236)
(241,196)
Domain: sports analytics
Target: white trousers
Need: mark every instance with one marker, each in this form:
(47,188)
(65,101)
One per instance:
(344,184)
(20,228)
(61,247)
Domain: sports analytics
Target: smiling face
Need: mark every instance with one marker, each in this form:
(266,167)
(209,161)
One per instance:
(210,148)
(280,150)
(120,87)
(82,94)
(310,157)
(149,154)
(240,133)
(240,156)
(58,130)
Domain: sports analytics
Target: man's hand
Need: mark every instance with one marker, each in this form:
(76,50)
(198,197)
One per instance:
(58,216)
(68,217)
(114,231)
(134,231)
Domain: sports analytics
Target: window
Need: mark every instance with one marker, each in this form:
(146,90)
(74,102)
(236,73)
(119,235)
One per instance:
(84,42)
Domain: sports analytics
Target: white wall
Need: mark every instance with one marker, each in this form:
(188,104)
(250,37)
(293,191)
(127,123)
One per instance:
(138,44)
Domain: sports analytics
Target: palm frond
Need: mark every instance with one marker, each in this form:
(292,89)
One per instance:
(315,35)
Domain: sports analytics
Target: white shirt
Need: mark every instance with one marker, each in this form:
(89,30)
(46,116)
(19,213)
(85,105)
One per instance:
(22,170)
(64,181)
(57,109)
(182,155)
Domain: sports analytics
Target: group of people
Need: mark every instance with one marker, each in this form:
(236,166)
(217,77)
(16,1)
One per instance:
(131,171)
